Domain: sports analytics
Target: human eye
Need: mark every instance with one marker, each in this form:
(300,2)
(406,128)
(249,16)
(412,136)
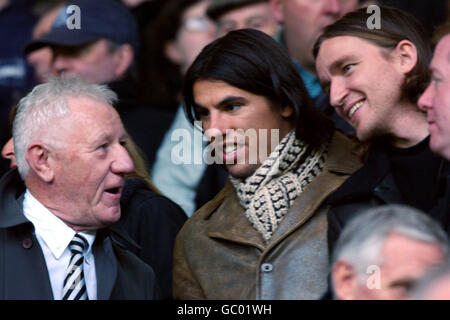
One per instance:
(346,68)
(232,106)
(196,24)
(123,142)
(435,78)
(256,23)
(102,147)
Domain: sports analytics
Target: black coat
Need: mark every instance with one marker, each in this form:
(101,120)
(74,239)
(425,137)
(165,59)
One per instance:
(153,222)
(23,270)
(145,123)
(374,185)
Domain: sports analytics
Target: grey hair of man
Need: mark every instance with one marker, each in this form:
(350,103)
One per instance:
(421,288)
(46,103)
(362,239)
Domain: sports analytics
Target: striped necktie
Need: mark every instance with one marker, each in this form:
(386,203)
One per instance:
(74,286)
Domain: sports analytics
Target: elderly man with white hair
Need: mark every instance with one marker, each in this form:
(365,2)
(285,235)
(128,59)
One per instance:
(70,148)
(382,252)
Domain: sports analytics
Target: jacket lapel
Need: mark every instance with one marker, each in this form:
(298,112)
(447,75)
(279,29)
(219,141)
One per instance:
(227,217)
(314,195)
(105,265)
(230,223)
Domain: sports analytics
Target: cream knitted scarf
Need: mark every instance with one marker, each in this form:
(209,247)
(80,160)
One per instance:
(270,191)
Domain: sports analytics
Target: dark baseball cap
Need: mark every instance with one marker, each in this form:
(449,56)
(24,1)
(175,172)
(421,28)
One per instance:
(83,21)
(218,8)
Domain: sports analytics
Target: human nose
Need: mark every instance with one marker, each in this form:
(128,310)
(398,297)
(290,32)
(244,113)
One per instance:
(123,162)
(333,7)
(60,65)
(426,99)
(215,125)
(338,92)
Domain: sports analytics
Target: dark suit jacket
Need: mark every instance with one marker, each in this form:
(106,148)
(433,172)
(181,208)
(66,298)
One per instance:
(374,185)
(23,270)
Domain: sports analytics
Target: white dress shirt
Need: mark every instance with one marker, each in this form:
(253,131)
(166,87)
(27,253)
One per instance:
(54,237)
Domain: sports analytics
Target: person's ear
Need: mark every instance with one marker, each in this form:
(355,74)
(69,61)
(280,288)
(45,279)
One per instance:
(277,8)
(287,112)
(406,55)
(125,57)
(38,158)
(345,280)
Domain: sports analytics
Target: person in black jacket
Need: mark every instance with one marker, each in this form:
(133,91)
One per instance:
(374,78)
(385,251)
(151,220)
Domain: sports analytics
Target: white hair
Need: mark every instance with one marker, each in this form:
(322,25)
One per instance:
(362,239)
(45,103)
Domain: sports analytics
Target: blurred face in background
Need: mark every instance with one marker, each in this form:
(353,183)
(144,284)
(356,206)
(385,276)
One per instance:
(255,16)
(95,62)
(196,31)
(41,59)
(403,261)
(305,20)
(436,99)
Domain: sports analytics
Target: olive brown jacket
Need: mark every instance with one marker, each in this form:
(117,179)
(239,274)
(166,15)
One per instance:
(219,255)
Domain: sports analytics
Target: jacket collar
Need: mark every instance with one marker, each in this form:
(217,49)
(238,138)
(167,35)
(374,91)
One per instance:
(342,157)
(11,196)
(232,224)
(375,177)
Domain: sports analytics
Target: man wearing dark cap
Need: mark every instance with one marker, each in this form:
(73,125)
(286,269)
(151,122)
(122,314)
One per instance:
(98,41)
(239,14)
(95,40)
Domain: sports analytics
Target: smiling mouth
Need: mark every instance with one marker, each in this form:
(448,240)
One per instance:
(230,149)
(355,108)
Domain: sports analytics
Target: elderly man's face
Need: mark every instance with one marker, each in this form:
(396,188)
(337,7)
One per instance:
(94,62)
(237,119)
(255,16)
(403,261)
(89,169)
(305,20)
(436,99)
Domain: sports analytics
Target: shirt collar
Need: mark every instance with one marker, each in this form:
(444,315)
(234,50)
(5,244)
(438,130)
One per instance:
(53,231)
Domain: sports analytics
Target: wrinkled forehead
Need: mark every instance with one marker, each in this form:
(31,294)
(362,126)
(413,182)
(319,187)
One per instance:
(90,110)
